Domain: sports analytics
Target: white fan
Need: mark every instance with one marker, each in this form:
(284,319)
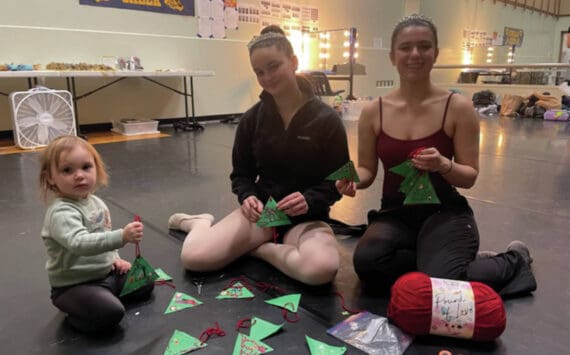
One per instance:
(40,115)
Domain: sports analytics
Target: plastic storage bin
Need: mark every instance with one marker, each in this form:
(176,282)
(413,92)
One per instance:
(131,127)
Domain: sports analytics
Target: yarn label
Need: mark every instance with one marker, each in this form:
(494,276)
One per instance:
(453,308)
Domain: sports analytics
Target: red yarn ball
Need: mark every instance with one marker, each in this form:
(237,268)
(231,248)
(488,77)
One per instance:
(410,307)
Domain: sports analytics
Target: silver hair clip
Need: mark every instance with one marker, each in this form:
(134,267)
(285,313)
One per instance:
(264,37)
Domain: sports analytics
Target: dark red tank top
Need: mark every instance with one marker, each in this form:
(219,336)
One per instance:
(392,151)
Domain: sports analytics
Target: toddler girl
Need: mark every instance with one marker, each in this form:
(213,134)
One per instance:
(84,268)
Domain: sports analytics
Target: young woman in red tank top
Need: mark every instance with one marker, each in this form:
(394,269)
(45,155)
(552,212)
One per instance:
(441,240)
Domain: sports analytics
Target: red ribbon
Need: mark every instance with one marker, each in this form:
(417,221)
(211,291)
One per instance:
(165,283)
(415,152)
(243,323)
(343,305)
(265,286)
(275,235)
(211,331)
(286,313)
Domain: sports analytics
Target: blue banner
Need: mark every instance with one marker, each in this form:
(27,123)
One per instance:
(173,7)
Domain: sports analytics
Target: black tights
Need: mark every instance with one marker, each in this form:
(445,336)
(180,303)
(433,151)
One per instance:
(94,307)
(440,243)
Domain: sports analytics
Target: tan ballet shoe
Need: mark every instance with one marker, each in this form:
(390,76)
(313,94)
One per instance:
(175,221)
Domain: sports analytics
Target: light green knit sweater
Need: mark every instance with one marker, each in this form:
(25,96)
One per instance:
(80,243)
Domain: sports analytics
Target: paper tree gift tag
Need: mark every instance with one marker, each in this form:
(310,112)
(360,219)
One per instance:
(238,290)
(261,329)
(422,192)
(182,343)
(288,302)
(319,348)
(416,186)
(162,276)
(271,216)
(347,171)
(181,301)
(140,274)
(246,346)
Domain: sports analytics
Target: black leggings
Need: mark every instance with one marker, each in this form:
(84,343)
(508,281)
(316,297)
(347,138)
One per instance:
(94,307)
(442,243)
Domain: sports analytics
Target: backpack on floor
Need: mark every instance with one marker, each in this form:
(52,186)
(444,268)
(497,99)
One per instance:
(484,98)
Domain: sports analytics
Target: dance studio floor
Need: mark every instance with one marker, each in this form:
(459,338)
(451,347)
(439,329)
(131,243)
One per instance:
(523,192)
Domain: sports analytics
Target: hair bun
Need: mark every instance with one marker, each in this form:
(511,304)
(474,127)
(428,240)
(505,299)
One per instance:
(272,29)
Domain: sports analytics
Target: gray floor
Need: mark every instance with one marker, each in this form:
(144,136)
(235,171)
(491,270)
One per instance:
(523,192)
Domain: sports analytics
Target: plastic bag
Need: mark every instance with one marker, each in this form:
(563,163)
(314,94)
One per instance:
(510,104)
(372,334)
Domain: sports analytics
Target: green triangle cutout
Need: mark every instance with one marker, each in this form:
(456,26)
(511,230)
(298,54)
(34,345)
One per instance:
(246,345)
(422,192)
(288,302)
(271,216)
(347,171)
(162,276)
(403,169)
(181,301)
(261,329)
(182,343)
(409,181)
(319,348)
(416,186)
(140,274)
(238,290)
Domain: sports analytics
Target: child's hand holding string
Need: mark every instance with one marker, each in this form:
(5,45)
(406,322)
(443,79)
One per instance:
(133,232)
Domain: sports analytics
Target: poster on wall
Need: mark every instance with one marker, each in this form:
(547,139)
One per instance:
(289,15)
(230,14)
(211,19)
(513,37)
(248,13)
(173,7)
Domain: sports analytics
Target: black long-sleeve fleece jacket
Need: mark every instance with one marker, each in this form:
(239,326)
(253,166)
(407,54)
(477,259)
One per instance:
(269,160)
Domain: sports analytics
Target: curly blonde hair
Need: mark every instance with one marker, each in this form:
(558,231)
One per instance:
(50,159)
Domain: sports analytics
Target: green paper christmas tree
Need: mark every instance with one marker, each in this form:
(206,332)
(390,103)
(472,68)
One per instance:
(422,192)
(261,329)
(271,216)
(238,290)
(162,276)
(319,348)
(289,302)
(182,343)
(416,186)
(247,346)
(347,171)
(181,301)
(140,274)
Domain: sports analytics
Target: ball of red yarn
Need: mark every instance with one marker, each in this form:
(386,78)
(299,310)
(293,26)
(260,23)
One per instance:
(410,307)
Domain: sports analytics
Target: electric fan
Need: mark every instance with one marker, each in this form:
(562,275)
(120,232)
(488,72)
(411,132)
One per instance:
(40,115)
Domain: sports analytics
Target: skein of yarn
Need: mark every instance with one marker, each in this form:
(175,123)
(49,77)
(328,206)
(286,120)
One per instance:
(421,305)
